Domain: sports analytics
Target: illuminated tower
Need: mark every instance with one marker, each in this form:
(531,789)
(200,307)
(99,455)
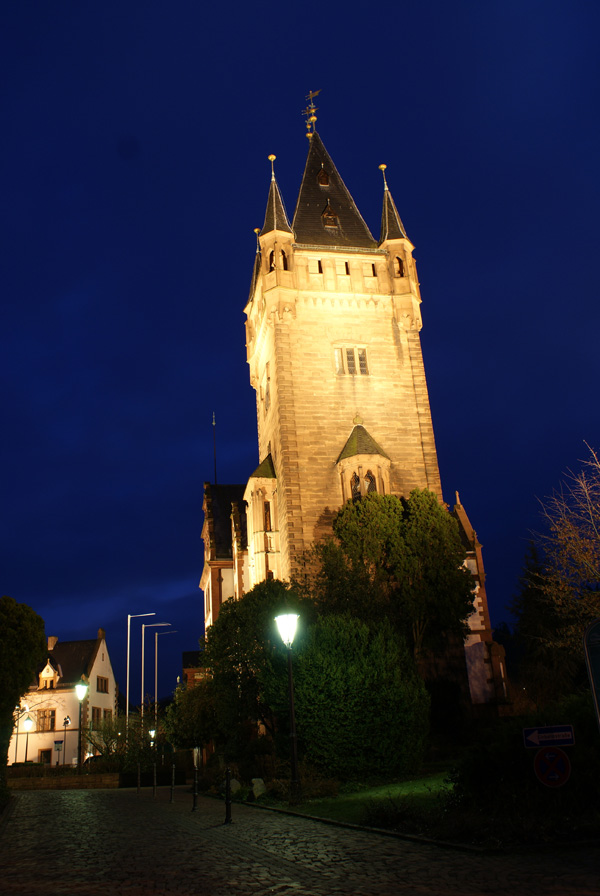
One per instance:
(333,346)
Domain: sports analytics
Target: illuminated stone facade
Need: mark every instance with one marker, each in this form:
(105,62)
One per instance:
(333,346)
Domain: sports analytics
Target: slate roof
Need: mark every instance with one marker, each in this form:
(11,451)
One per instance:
(265,470)
(275,215)
(71,659)
(360,442)
(326,214)
(392,227)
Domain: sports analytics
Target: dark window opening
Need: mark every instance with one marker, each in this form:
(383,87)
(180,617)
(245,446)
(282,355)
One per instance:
(284,262)
(323,178)
(370,483)
(320,266)
(347,268)
(399,267)
(355,486)
(271,261)
(373,269)
(267,515)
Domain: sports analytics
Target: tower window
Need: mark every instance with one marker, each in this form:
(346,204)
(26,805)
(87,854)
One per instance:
(272,261)
(370,483)
(373,269)
(355,487)
(351,360)
(323,178)
(347,268)
(284,261)
(267,516)
(399,267)
(315,266)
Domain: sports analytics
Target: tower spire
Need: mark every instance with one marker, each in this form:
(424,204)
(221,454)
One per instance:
(275,215)
(392,227)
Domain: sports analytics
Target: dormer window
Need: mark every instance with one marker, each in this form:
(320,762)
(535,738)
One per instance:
(330,219)
(323,178)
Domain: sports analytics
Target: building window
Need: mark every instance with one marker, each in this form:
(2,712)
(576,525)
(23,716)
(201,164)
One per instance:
(267,386)
(96,716)
(102,685)
(355,487)
(267,516)
(284,262)
(351,360)
(46,719)
(272,261)
(315,266)
(370,483)
(399,271)
(323,178)
(107,714)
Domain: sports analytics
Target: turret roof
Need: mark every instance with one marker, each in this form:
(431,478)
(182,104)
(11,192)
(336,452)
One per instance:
(360,442)
(392,227)
(275,215)
(326,214)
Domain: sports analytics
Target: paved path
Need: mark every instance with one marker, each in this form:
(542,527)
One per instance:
(119,843)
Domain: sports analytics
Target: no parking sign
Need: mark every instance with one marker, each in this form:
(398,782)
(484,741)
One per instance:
(552,766)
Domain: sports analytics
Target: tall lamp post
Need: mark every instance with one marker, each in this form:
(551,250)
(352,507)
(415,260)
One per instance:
(81,689)
(144,627)
(286,624)
(27,725)
(129,618)
(66,723)
(156,634)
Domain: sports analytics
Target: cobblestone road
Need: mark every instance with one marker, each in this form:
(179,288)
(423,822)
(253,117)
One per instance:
(120,843)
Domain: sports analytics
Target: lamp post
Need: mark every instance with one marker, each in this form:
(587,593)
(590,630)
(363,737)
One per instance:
(66,722)
(27,725)
(286,624)
(144,627)
(156,634)
(129,618)
(81,689)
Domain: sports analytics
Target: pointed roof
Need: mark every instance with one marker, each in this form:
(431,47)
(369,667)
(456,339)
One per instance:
(275,215)
(326,214)
(265,470)
(392,227)
(360,442)
(255,273)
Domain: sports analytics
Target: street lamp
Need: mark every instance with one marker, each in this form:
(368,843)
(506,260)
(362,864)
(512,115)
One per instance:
(156,634)
(66,722)
(81,689)
(144,627)
(129,618)
(27,725)
(286,624)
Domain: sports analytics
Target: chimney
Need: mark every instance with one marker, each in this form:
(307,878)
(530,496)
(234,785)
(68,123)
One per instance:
(52,639)
(101,634)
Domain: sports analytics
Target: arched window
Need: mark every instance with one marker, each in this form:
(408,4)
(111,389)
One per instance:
(399,267)
(272,261)
(284,263)
(355,487)
(370,483)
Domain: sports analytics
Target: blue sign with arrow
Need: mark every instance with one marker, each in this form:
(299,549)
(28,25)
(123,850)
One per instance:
(555,735)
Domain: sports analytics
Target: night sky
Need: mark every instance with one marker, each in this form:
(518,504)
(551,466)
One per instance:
(134,149)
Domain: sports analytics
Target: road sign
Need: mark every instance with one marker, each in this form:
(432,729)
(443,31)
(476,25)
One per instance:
(558,735)
(552,766)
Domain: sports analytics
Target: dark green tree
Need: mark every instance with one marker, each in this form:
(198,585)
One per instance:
(22,649)
(190,719)
(400,559)
(361,708)
(241,653)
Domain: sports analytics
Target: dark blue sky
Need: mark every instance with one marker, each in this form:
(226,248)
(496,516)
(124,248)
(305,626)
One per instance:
(134,149)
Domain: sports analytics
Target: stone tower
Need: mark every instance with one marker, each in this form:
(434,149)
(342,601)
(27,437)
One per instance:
(333,346)
(332,336)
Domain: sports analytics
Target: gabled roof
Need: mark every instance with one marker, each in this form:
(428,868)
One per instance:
(72,659)
(392,227)
(265,470)
(360,442)
(275,215)
(326,214)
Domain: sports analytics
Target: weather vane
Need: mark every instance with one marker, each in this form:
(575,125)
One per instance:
(309,112)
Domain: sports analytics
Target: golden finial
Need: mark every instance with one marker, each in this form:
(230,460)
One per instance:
(271,160)
(382,169)
(357,420)
(309,112)
(257,231)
